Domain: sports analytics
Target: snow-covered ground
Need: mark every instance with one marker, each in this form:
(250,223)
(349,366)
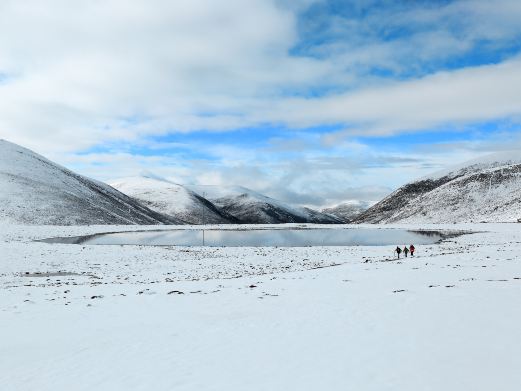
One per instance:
(334,318)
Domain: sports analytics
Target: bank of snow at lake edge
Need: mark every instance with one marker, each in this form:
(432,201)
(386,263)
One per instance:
(337,318)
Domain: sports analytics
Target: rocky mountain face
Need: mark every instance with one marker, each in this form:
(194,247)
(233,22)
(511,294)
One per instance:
(34,190)
(483,190)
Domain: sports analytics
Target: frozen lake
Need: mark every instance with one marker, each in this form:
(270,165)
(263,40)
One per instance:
(261,237)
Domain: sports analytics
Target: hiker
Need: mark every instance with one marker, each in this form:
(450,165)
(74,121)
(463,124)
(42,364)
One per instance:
(405,251)
(398,251)
(411,249)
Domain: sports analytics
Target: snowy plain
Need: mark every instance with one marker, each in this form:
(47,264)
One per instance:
(309,318)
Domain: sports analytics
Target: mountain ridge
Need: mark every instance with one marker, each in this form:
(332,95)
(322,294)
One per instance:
(35,190)
(173,199)
(252,207)
(347,211)
(482,190)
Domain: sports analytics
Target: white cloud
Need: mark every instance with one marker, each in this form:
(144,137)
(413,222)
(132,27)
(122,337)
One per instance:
(109,70)
(84,68)
(467,95)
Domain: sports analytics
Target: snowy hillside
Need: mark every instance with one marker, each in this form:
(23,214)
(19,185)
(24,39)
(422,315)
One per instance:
(482,190)
(254,208)
(347,211)
(173,199)
(34,190)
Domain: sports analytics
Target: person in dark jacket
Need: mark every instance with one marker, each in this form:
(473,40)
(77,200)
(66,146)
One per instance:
(398,251)
(411,249)
(405,251)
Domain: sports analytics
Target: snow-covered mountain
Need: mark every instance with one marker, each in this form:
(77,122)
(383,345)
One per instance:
(481,190)
(173,199)
(34,190)
(348,211)
(251,207)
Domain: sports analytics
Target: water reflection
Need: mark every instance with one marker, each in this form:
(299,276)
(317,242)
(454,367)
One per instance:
(266,238)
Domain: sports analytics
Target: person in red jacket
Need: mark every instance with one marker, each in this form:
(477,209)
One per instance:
(411,249)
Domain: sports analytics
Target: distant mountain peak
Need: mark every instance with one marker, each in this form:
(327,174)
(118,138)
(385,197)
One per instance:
(253,207)
(348,210)
(173,199)
(151,175)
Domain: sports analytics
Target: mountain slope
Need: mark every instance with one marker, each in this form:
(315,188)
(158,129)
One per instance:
(173,200)
(486,189)
(347,211)
(34,190)
(251,207)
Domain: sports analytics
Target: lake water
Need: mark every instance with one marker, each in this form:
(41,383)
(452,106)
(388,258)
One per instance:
(261,238)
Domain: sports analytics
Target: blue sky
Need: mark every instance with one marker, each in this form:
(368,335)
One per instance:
(313,102)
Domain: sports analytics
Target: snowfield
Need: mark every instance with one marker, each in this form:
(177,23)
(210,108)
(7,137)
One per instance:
(77,317)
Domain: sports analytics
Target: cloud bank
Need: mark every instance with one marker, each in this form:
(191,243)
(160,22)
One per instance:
(81,81)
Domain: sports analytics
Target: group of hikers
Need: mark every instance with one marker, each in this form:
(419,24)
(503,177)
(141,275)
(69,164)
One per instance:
(406,250)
